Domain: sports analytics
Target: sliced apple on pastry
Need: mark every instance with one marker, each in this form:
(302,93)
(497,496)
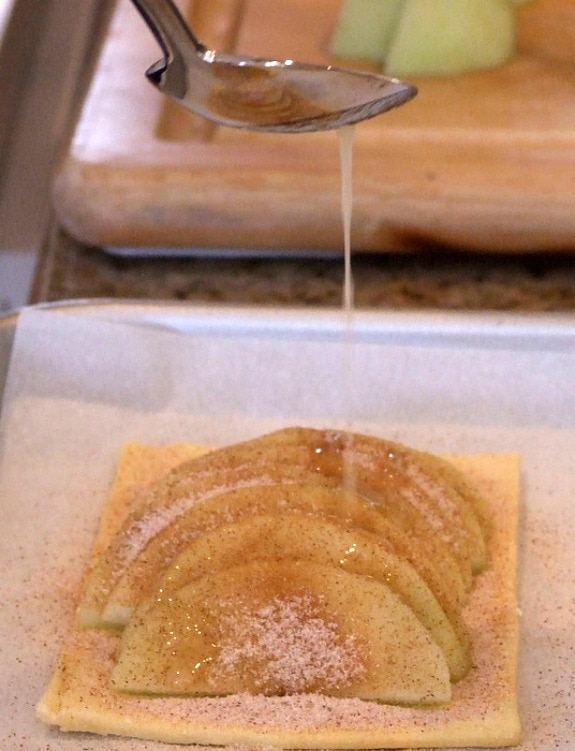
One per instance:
(290,455)
(150,528)
(439,572)
(392,481)
(247,463)
(278,628)
(404,511)
(297,536)
(333,598)
(402,480)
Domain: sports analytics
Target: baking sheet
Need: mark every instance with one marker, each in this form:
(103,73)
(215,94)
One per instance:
(84,379)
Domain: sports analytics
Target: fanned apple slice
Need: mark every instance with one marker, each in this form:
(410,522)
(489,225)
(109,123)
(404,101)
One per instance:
(445,498)
(453,499)
(181,488)
(461,485)
(390,475)
(262,452)
(228,501)
(139,578)
(152,523)
(317,539)
(242,464)
(279,628)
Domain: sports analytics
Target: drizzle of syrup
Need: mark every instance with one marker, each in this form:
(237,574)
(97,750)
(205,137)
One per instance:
(346,136)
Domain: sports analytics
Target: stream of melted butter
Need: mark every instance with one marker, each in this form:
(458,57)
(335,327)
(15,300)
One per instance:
(346,136)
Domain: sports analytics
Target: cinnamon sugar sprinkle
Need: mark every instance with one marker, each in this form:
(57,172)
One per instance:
(289,647)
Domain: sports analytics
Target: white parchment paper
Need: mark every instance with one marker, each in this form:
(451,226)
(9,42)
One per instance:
(83,381)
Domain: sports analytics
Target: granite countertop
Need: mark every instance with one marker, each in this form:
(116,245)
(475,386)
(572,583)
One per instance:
(429,280)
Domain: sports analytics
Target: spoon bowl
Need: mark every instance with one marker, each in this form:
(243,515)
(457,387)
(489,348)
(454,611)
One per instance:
(261,94)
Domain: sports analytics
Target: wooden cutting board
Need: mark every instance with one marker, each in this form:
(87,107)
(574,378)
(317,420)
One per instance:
(483,161)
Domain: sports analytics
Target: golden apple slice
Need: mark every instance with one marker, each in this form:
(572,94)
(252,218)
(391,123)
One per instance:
(393,474)
(246,463)
(139,578)
(462,502)
(151,522)
(278,628)
(315,538)
(389,470)
(462,485)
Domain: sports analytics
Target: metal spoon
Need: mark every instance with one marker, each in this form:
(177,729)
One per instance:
(258,94)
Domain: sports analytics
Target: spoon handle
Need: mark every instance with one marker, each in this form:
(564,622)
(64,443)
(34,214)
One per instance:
(168,26)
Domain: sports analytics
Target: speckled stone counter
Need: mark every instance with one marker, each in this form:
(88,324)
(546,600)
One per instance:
(434,280)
